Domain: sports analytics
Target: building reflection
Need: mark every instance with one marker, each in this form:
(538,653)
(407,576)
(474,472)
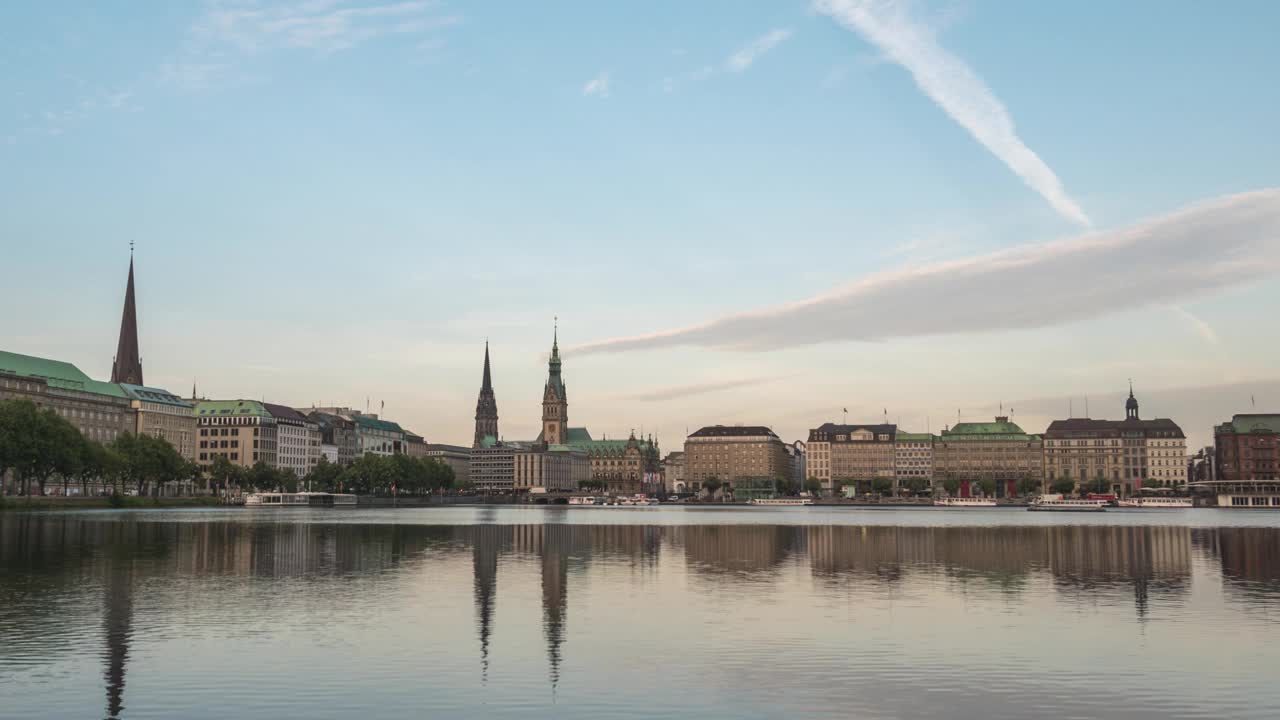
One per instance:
(117,616)
(1249,558)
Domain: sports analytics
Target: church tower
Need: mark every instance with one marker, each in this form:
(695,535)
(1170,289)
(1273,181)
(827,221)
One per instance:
(555,403)
(1131,405)
(127,366)
(486,405)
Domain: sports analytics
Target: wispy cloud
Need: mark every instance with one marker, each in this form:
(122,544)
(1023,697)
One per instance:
(682,391)
(954,86)
(597,86)
(1198,324)
(744,57)
(1158,261)
(320,25)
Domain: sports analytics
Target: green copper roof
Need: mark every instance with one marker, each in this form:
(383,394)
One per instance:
(155,395)
(57,374)
(1255,423)
(986,431)
(231,408)
(369,423)
(913,437)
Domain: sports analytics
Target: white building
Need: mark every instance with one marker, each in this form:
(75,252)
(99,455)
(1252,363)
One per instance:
(297,440)
(912,456)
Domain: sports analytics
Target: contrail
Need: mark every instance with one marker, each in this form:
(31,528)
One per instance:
(957,89)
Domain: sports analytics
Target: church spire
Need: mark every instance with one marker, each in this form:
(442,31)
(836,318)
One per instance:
(555,401)
(127,366)
(1131,405)
(486,406)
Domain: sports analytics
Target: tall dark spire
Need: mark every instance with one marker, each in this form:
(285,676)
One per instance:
(1131,405)
(127,366)
(486,406)
(555,401)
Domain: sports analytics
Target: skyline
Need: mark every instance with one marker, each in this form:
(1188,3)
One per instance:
(340,201)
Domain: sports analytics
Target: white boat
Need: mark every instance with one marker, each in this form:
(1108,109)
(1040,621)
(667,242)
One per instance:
(299,499)
(964,502)
(1155,502)
(1057,503)
(783,501)
(582,500)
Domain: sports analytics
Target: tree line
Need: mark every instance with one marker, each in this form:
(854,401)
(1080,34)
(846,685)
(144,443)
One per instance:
(42,448)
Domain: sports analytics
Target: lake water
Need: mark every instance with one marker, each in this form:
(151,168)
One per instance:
(619,613)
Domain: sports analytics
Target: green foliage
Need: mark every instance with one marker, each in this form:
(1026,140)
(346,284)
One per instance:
(882,486)
(592,484)
(813,485)
(1063,486)
(712,484)
(917,485)
(324,477)
(988,487)
(951,485)
(1028,486)
(1098,485)
(116,500)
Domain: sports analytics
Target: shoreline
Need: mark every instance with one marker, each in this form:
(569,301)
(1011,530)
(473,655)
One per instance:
(33,503)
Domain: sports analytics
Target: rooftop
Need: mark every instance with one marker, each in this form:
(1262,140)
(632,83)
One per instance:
(1088,427)
(57,374)
(282,412)
(1255,422)
(733,431)
(231,408)
(155,395)
(370,423)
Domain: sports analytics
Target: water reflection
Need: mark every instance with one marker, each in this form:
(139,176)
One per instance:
(62,571)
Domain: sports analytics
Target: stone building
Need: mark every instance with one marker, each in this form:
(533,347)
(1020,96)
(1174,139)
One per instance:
(100,411)
(673,472)
(162,414)
(456,457)
(377,436)
(1248,447)
(797,454)
(1126,454)
(549,469)
(242,431)
(555,400)
(728,452)
(860,454)
(493,465)
(298,440)
(338,438)
(998,451)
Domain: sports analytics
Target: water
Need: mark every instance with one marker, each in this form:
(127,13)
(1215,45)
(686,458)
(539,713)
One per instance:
(617,613)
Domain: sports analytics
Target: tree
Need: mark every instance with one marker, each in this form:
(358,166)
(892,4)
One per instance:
(782,486)
(951,485)
(711,485)
(882,486)
(813,485)
(988,487)
(1098,485)
(1063,485)
(222,472)
(591,484)
(324,477)
(917,485)
(1028,486)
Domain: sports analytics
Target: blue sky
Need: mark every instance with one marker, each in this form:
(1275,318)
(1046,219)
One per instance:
(340,200)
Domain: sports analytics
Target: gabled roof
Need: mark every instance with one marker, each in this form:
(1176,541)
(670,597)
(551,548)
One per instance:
(283,412)
(57,374)
(733,431)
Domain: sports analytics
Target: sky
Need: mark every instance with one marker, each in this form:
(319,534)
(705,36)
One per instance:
(755,213)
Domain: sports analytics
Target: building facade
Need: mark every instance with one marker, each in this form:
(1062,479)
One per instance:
(298,440)
(339,442)
(555,400)
(493,468)
(851,454)
(376,436)
(1126,455)
(1248,448)
(242,431)
(913,458)
(797,454)
(554,469)
(673,473)
(456,457)
(999,452)
(100,411)
(160,413)
(727,452)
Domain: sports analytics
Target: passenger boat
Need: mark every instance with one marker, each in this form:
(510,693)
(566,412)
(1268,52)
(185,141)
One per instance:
(783,501)
(1155,502)
(299,499)
(964,502)
(582,500)
(1057,503)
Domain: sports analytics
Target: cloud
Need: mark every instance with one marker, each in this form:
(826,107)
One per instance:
(956,88)
(738,62)
(1198,324)
(676,392)
(743,58)
(1210,246)
(321,25)
(597,86)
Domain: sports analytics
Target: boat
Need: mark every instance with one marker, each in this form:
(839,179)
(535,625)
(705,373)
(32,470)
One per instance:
(1057,503)
(964,502)
(782,501)
(1155,502)
(299,499)
(582,500)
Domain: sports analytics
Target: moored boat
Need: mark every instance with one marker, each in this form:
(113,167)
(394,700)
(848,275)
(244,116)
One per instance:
(1057,503)
(964,502)
(1155,502)
(783,501)
(299,499)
